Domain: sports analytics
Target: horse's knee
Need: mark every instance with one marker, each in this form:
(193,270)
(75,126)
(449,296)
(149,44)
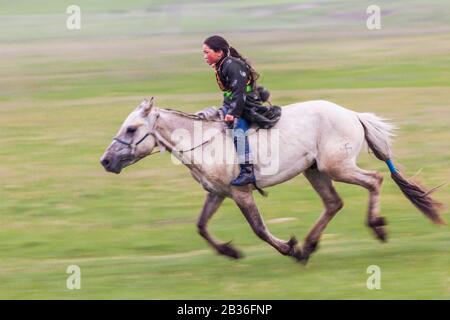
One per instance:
(375,181)
(334,205)
(338,204)
(379,178)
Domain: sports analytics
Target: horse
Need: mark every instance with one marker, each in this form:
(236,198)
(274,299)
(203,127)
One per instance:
(319,138)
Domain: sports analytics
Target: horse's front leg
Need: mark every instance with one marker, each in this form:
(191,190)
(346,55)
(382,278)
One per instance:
(212,203)
(245,202)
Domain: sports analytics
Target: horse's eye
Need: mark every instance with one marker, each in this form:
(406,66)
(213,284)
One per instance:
(131,129)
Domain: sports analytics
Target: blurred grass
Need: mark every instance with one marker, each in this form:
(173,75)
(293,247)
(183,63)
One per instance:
(64,94)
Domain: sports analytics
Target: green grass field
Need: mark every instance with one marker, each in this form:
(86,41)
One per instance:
(64,94)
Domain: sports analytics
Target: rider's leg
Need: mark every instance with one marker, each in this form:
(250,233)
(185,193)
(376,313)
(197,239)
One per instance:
(241,141)
(242,146)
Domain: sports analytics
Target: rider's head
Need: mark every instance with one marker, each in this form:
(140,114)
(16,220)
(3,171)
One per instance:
(216,47)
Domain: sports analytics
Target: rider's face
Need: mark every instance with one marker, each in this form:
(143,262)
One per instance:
(211,56)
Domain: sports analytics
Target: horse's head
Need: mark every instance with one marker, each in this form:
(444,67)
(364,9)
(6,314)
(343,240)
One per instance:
(134,141)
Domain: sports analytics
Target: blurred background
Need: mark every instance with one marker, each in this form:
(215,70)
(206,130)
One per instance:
(64,93)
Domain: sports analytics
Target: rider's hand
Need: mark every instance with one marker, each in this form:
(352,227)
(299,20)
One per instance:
(229,118)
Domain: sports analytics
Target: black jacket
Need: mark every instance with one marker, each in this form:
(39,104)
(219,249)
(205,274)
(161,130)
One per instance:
(233,75)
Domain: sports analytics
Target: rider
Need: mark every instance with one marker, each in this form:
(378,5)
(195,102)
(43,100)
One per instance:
(236,78)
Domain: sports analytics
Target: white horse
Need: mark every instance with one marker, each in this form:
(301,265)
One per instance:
(319,138)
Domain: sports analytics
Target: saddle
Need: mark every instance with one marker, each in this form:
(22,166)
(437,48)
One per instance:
(255,112)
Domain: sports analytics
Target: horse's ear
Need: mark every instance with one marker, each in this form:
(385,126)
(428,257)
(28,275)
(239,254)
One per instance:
(146,106)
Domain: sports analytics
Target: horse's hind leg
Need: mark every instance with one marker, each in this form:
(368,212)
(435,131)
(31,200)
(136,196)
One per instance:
(371,180)
(246,203)
(210,207)
(332,203)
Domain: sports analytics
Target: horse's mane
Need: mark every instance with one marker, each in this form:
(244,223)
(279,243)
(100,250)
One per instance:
(191,116)
(184,114)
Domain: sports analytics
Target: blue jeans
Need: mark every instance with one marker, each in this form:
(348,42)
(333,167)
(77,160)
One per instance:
(240,139)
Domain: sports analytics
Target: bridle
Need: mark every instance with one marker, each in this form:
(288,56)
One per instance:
(130,144)
(162,144)
(133,146)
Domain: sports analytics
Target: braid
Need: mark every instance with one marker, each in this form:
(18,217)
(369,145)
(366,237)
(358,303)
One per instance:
(234,53)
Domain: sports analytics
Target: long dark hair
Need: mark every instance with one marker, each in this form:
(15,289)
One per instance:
(218,43)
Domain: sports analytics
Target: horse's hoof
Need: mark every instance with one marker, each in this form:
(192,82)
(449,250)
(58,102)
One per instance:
(380,233)
(299,255)
(304,261)
(377,222)
(292,242)
(302,255)
(228,250)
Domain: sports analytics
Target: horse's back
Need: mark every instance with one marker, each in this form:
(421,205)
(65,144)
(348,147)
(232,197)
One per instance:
(320,112)
(314,131)
(315,107)
(337,131)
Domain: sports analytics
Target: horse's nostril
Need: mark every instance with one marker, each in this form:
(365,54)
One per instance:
(105,162)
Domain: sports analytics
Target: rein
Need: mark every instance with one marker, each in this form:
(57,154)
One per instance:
(203,143)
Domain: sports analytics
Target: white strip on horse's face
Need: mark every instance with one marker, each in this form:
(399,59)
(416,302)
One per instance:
(133,141)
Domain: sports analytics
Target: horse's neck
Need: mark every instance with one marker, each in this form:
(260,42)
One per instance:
(169,122)
(167,125)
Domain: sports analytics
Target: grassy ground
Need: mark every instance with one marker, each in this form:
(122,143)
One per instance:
(63,95)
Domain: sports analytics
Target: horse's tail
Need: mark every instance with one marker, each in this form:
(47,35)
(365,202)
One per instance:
(378,134)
